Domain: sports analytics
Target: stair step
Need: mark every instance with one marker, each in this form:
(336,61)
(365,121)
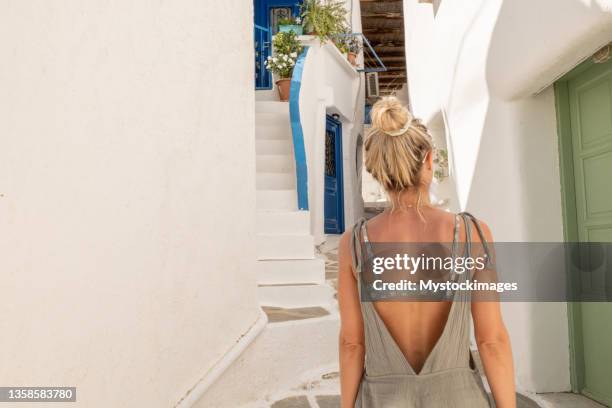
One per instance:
(274,146)
(272,132)
(283,222)
(267,106)
(273,119)
(277,360)
(291,296)
(266,95)
(275,181)
(274,163)
(285,246)
(277,200)
(291,271)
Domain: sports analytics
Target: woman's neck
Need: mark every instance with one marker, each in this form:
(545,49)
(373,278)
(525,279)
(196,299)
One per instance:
(412,198)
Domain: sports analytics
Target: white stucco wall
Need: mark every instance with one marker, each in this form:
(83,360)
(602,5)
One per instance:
(330,85)
(353,137)
(127,195)
(486,70)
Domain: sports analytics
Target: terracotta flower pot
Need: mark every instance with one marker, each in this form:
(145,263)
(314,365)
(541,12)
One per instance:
(352,58)
(284,85)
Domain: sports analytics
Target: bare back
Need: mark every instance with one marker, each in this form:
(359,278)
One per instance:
(415,326)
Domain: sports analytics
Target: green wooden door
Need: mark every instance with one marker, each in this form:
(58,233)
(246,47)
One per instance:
(588,166)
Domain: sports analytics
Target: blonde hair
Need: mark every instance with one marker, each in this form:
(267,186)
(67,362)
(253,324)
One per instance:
(396,148)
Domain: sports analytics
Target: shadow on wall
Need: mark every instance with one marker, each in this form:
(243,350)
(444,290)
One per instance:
(554,36)
(516,178)
(467,100)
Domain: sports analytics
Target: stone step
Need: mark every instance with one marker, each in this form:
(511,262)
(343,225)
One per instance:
(273,118)
(290,271)
(277,360)
(273,146)
(272,131)
(285,222)
(274,163)
(275,181)
(266,95)
(271,106)
(285,246)
(281,314)
(277,200)
(295,296)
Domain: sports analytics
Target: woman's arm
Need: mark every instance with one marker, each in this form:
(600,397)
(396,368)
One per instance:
(495,352)
(351,342)
(494,346)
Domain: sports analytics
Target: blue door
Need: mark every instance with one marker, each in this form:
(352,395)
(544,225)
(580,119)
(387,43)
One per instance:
(334,191)
(267,15)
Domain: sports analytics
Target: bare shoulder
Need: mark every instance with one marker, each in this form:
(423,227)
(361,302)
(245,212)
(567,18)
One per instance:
(475,237)
(485,230)
(345,257)
(345,241)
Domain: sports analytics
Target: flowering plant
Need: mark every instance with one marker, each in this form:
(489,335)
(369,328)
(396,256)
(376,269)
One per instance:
(287,48)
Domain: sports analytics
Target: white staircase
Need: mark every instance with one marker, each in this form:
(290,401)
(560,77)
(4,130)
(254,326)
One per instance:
(289,273)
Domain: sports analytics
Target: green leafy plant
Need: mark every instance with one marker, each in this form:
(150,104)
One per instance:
(342,44)
(353,44)
(347,42)
(287,48)
(324,18)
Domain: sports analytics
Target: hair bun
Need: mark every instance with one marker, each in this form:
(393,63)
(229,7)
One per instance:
(416,122)
(389,115)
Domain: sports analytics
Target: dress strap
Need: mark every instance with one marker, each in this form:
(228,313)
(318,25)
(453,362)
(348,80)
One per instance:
(469,220)
(356,236)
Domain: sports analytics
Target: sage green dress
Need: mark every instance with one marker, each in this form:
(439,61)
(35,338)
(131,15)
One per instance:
(446,380)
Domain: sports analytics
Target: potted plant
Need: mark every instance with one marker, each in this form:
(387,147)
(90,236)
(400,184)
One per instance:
(323,18)
(353,48)
(341,44)
(348,44)
(291,24)
(286,49)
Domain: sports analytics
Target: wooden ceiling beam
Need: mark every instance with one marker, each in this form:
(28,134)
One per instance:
(382,30)
(383,25)
(380,1)
(382,22)
(392,59)
(382,14)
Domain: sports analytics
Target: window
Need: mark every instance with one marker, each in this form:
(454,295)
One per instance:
(277,14)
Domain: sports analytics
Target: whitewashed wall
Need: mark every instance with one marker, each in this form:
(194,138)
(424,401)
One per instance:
(332,86)
(127,195)
(353,137)
(480,72)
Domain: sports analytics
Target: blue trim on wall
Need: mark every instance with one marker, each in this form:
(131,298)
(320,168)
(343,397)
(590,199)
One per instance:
(301,167)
